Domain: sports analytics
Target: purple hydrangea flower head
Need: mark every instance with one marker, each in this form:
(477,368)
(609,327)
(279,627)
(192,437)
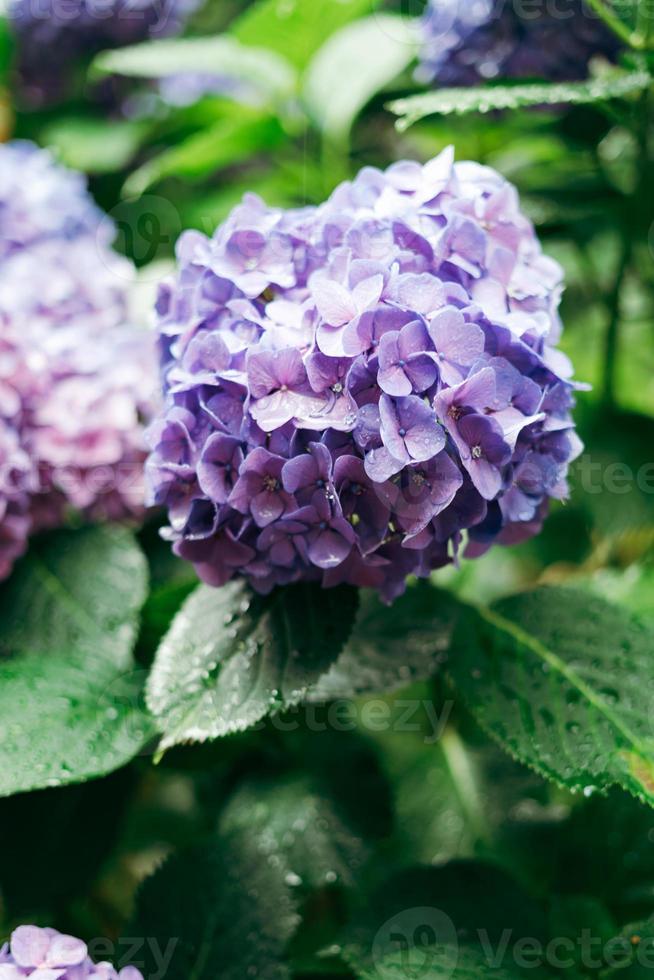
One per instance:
(41,200)
(52,36)
(45,954)
(76,379)
(360,391)
(469,41)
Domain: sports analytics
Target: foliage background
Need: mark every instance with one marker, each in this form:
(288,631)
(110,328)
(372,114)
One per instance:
(299,838)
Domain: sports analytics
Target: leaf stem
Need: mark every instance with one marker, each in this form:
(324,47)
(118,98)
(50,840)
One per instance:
(634,39)
(613,329)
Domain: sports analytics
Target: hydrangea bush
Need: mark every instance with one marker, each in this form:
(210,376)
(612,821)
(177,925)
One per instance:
(350,388)
(467,41)
(76,380)
(45,954)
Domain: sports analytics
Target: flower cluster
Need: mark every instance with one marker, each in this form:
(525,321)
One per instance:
(75,379)
(351,387)
(52,36)
(45,954)
(468,41)
(39,201)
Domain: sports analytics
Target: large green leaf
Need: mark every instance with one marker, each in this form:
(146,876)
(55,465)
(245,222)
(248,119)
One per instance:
(70,694)
(260,67)
(563,680)
(230,657)
(612,85)
(392,646)
(95,145)
(339,82)
(296,28)
(218,910)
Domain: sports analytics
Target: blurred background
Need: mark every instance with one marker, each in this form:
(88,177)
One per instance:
(287,98)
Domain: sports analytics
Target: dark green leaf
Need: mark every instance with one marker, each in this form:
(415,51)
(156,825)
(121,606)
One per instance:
(612,85)
(230,657)
(218,910)
(563,681)
(300,830)
(437,963)
(70,695)
(463,909)
(392,646)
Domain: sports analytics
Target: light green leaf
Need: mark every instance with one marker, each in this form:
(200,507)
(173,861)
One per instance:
(217,910)
(563,681)
(611,85)
(339,82)
(260,67)
(70,705)
(230,658)
(297,28)
(226,142)
(94,145)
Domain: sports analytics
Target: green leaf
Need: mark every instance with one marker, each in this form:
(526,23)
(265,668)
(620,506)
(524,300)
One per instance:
(260,67)
(299,829)
(437,963)
(296,28)
(217,910)
(563,681)
(611,85)
(392,646)
(94,145)
(339,82)
(70,695)
(230,657)
(436,918)
(226,142)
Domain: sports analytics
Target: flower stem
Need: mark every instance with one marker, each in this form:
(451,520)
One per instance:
(633,38)
(612,332)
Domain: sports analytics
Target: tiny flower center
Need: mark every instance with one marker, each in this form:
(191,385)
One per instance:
(320,484)
(323,525)
(476,452)
(337,388)
(402,432)
(401,362)
(356,489)
(419,479)
(454,412)
(270,483)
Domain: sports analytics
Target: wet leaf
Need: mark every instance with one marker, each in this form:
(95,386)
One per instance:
(563,681)
(230,657)
(70,693)
(460,101)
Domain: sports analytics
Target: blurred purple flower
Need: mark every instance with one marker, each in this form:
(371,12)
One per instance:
(45,954)
(76,380)
(470,41)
